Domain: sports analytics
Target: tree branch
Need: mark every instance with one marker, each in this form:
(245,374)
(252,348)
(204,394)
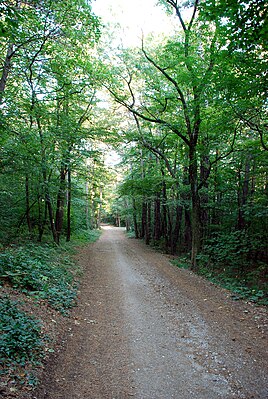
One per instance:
(175,5)
(175,84)
(153,149)
(217,159)
(193,15)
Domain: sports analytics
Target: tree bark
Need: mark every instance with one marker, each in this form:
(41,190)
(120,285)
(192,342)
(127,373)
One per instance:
(69,196)
(196,224)
(27,200)
(6,70)
(157,218)
(135,222)
(204,216)
(60,201)
(148,224)
(143,219)
(164,215)
(42,220)
(243,193)
(176,230)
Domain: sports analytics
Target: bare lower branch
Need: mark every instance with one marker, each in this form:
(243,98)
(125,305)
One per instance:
(153,149)
(217,159)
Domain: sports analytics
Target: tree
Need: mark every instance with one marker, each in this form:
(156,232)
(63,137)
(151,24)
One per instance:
(51,71)
(243,32)
(176,93)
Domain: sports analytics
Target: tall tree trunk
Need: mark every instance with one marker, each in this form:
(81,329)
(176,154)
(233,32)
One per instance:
(27,200)
(176,230)
(148,224)
(135,222)
(60,201)
(165,214)
(99,211)
(127,217)
(50,215)
(187,227)
(157,218)
(196,224)
(196,230)
(50,210)
(143,219)
(45,179)
(87,206)
(6,70)
(217,196)
(204,218)
(187,236)
(243,193)
(69,194)
(42,218)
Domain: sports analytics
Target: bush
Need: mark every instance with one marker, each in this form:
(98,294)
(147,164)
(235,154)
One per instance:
(86,236)
(237,250)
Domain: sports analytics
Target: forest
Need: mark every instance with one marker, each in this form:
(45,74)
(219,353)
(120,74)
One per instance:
(186,113)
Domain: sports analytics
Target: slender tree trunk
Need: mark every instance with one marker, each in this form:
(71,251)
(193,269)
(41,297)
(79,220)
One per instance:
(187,226)
(217,196)
(127,217)
(148,224)
(165,215)
(45,179)
(204,217)
(196,230)
(49,203)
(243,193)
(127,223)
(157,218)
(100,209)
(187,244)
(69,194)
(27,199)
(60,202)
(196,224)
(42,218)
(136,229)
(51,217)
(176,230)
(6,70)
(50,210)
(143,219)
(87,206)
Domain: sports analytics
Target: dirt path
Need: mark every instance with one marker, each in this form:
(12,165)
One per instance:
(148,330)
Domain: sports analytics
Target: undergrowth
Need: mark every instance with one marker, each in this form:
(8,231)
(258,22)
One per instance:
(248,285)
(43,272)
(21,342)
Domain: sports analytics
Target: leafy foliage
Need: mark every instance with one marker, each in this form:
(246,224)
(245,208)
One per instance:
(20,337)
(232,250)
(42,271)
(245,23)
(251,286)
